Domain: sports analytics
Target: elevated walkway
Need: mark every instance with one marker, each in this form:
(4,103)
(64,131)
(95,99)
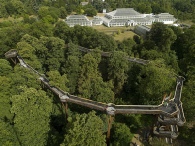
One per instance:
(170,113)
(108,54)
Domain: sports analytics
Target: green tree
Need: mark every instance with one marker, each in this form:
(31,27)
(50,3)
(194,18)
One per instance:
(85,130)
(32,110)
(54,54)
(10,36)
(72,70)
(187,134)
(162,35)
(8,136)
(43,11)
(90,12)
(63,31)
(48,14)
(121,135)
(3,11)
(79,10)
(28,53)
(102,91)
(5,67)
(184,47)
(188,98)
(155,80)
(117,69)
(71,67)
(15,7)
(126,46)
(90,83)
(57,80)
(144,8)
(91,38)
(100,5)
(88,71)
(23,77)
(63,13)
(4,98)
(40,28)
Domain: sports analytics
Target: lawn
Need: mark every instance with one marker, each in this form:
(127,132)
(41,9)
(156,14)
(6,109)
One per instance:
(125,35)
(11,19)
(119,33)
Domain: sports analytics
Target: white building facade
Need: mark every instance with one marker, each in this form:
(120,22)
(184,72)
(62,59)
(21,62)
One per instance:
(165,18)
(121,17)
(82,20)
(141,30)
(130,17)
(97,21)
(126,17)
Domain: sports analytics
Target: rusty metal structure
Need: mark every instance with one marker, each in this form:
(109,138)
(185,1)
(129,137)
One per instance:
(170,112)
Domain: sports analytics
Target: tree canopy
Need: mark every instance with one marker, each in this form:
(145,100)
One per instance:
(31,115)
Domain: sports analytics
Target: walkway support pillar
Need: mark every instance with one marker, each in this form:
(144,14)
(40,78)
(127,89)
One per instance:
(110,120)
(14,60)
(65,105)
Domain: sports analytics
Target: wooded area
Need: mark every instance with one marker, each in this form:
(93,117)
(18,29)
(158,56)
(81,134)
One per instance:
(32,115)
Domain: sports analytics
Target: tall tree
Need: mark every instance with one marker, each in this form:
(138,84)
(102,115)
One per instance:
(155,80)
(57,80)
(32,110)
(5,67)
(117,69)
(63,31)
(88,71)
(85,130)
(41,28)
(55,52)
(162,35)
(28,53)
(71,67)
(5,98)
(126,46)
(188,98)
(91,84)
(8,136)
(121,135)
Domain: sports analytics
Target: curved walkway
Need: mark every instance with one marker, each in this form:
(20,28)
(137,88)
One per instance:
(169,115)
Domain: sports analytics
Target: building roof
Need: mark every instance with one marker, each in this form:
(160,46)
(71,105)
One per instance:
(144,27)
(97,19)
(84,3)
(123,12)
(106,19)
(164,15)
(77,17)
(140,20)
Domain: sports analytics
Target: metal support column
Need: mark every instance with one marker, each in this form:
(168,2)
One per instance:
(110,120)
(65,105)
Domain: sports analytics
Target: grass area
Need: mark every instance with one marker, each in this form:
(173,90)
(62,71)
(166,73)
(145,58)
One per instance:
(188,22)
(125,35)
(119,33)
(11,19)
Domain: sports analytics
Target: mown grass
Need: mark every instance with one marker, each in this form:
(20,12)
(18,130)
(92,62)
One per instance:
(125,35)
(119,33)
(11,19)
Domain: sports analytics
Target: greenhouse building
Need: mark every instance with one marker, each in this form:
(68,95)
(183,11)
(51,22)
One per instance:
(82,20)
(130,17)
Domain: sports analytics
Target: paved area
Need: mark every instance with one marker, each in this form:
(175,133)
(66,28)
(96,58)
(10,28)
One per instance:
(135,140)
